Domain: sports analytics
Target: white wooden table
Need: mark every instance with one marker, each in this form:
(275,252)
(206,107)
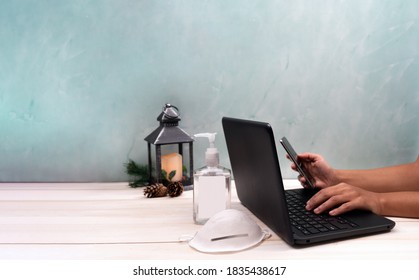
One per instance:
(108,221)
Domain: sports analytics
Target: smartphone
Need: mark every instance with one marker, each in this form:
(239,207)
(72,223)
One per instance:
(293,155)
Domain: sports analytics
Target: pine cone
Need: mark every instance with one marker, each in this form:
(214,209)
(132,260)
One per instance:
(155,190)
(175,189)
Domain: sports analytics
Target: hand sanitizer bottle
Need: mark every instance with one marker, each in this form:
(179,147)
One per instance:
(211,193)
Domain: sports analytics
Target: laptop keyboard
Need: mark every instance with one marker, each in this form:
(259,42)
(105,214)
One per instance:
(308,223)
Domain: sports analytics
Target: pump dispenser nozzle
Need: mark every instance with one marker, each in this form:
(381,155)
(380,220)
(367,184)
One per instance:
(211,155)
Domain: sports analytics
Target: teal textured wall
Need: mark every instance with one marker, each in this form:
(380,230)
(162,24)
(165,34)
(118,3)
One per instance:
(82,82)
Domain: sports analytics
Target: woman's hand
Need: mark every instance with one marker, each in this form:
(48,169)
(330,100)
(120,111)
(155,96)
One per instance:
(322,174)
(342,198)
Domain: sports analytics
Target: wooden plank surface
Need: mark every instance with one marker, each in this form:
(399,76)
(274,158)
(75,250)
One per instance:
(114,221)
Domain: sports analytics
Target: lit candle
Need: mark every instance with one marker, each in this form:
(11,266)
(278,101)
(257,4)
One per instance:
(172,162)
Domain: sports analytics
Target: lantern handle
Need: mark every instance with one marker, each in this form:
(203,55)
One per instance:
(167,106)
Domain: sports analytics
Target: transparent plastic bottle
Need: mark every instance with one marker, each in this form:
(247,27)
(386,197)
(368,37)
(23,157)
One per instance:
(211,193)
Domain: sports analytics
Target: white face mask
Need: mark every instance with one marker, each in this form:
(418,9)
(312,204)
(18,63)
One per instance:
(228,231)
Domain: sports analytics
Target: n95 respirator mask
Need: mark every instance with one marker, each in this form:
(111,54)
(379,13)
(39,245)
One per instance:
(228,231)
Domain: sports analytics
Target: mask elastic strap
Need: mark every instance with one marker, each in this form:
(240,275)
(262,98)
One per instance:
(185,238)
(267,234)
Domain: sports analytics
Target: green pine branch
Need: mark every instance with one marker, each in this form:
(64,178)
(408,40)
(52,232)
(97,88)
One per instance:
(138,172)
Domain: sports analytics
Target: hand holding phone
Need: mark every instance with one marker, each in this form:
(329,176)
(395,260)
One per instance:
(293,155)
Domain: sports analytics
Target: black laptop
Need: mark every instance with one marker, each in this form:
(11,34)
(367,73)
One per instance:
(255,165)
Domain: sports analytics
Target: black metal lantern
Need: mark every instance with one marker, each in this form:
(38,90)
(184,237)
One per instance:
(169,133)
